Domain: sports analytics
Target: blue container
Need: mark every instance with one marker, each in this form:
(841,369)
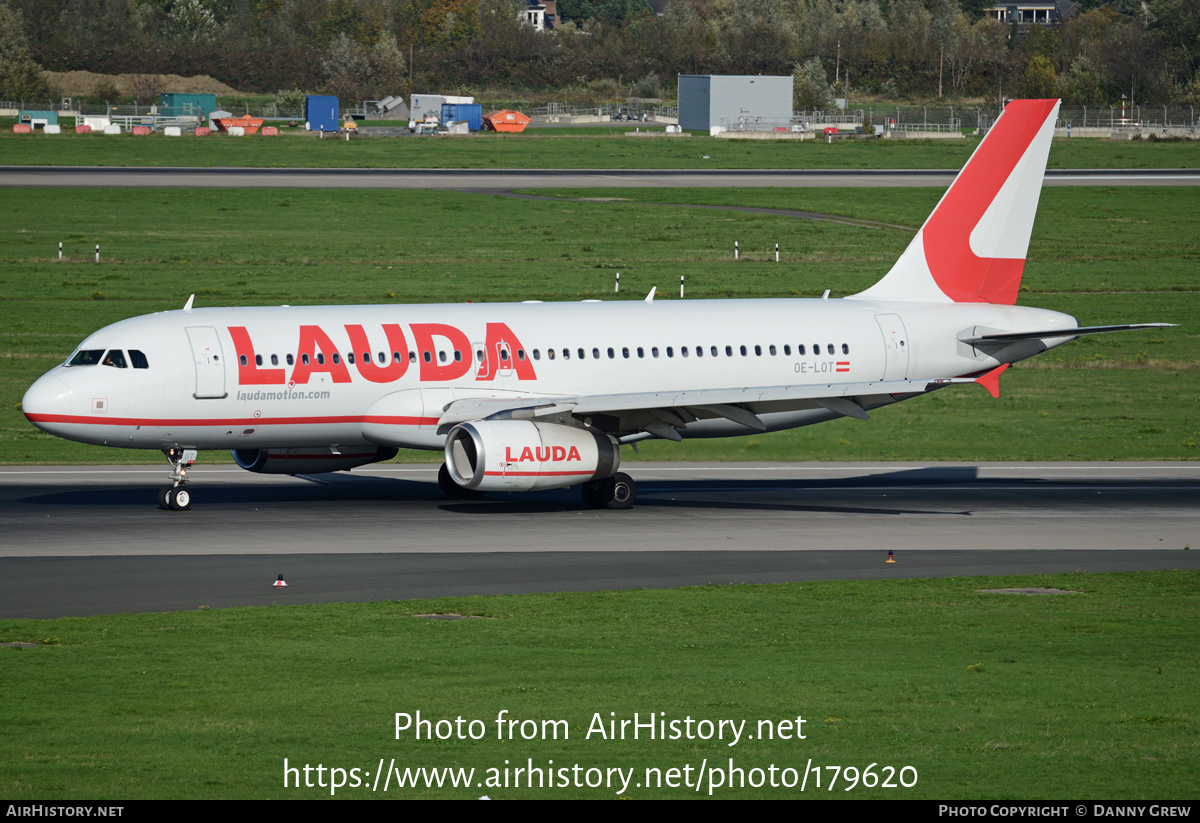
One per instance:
(321,113)
(472,113)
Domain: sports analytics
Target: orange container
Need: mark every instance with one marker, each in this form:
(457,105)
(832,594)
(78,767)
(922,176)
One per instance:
(141,129)
(202,131)
(506,120)
(270,131)
(22,128)
(250,124)
(83,129)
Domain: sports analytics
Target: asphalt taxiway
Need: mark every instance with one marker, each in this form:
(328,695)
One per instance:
(485,180)
(90,540)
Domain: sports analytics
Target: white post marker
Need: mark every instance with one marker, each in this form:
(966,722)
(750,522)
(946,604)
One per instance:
(97,252)
(60,250)
(776,252)
(618,288)
(681,286)
(735,250)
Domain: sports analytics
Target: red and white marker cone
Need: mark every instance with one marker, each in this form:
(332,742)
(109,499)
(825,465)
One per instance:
(280,583)
(890,559)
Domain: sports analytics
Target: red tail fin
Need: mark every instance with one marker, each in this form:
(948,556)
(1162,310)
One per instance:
(972,248)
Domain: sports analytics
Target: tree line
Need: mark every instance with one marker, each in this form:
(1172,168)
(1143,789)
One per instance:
(604,49)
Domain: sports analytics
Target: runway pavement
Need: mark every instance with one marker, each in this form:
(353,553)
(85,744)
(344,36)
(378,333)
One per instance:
(483,180)
(88,540)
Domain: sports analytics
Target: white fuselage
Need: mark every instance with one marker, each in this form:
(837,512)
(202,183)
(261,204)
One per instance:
(280,377)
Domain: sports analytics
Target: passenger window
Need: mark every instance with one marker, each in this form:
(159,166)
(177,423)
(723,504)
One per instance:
(441,357)
(729,351)
(321,359)
(683,351)
(699,351)
(641,353)
(580,353)
(595,354)
(304,359)
(87,357)
(787,348)
(566,354)
(138,360)
(503,355)
(337,358)
(521,354)
(845,349)
(713,351)
(758,351)
(549,354)
(537,354)
(395,357)
(350,358)
(274,360)
(242,360)
(670,352)
(743,350)
(800,349)
(771,349)
(291,360)
(412,357)
(611,354)
(654,351)
(829,348)
(625,352)
(258,359)
(816,349)
(428,357)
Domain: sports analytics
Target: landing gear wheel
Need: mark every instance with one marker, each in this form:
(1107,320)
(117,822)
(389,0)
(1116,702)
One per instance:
(623,492)
(162,497)
(595,493)
(616,492)
(451,489)
(179,499)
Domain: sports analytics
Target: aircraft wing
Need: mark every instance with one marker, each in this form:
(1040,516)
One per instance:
(658,413)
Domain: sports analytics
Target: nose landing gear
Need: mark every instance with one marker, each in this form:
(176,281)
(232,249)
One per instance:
(176,497)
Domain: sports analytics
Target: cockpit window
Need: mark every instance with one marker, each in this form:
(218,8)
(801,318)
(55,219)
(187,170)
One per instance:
(115,358)
(138,360)
(86,357)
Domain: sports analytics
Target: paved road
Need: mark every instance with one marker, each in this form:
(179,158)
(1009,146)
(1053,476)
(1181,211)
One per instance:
(91,540)
(507,179)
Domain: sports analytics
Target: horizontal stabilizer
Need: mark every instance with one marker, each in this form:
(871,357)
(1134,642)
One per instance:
(1048,333)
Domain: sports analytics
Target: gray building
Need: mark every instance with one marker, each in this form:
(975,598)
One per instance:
(705,100)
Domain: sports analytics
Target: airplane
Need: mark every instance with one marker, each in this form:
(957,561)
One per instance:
(527,396)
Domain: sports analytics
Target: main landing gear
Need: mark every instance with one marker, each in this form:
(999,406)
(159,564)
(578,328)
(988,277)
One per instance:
(616,492)
(176,497)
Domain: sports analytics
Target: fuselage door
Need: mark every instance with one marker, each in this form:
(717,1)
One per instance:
(895,346)
(210,368)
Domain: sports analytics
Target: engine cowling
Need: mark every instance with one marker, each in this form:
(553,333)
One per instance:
(309,460)
(522,455)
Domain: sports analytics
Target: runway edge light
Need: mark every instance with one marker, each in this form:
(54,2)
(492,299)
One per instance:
(890,559)
(280,583)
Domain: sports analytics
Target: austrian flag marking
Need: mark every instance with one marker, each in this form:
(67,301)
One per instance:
(843,365)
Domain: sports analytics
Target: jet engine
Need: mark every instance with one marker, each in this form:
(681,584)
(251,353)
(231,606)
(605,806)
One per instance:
(310,460)
(522,455)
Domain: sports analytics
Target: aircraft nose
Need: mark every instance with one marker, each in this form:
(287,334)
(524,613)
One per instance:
(48,398)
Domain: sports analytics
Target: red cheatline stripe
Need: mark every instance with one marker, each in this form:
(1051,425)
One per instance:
(537,474)
(843,362)
(92,420)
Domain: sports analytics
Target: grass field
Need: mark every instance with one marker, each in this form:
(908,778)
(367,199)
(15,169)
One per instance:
(1103,255)
(569,150)
(999,696)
